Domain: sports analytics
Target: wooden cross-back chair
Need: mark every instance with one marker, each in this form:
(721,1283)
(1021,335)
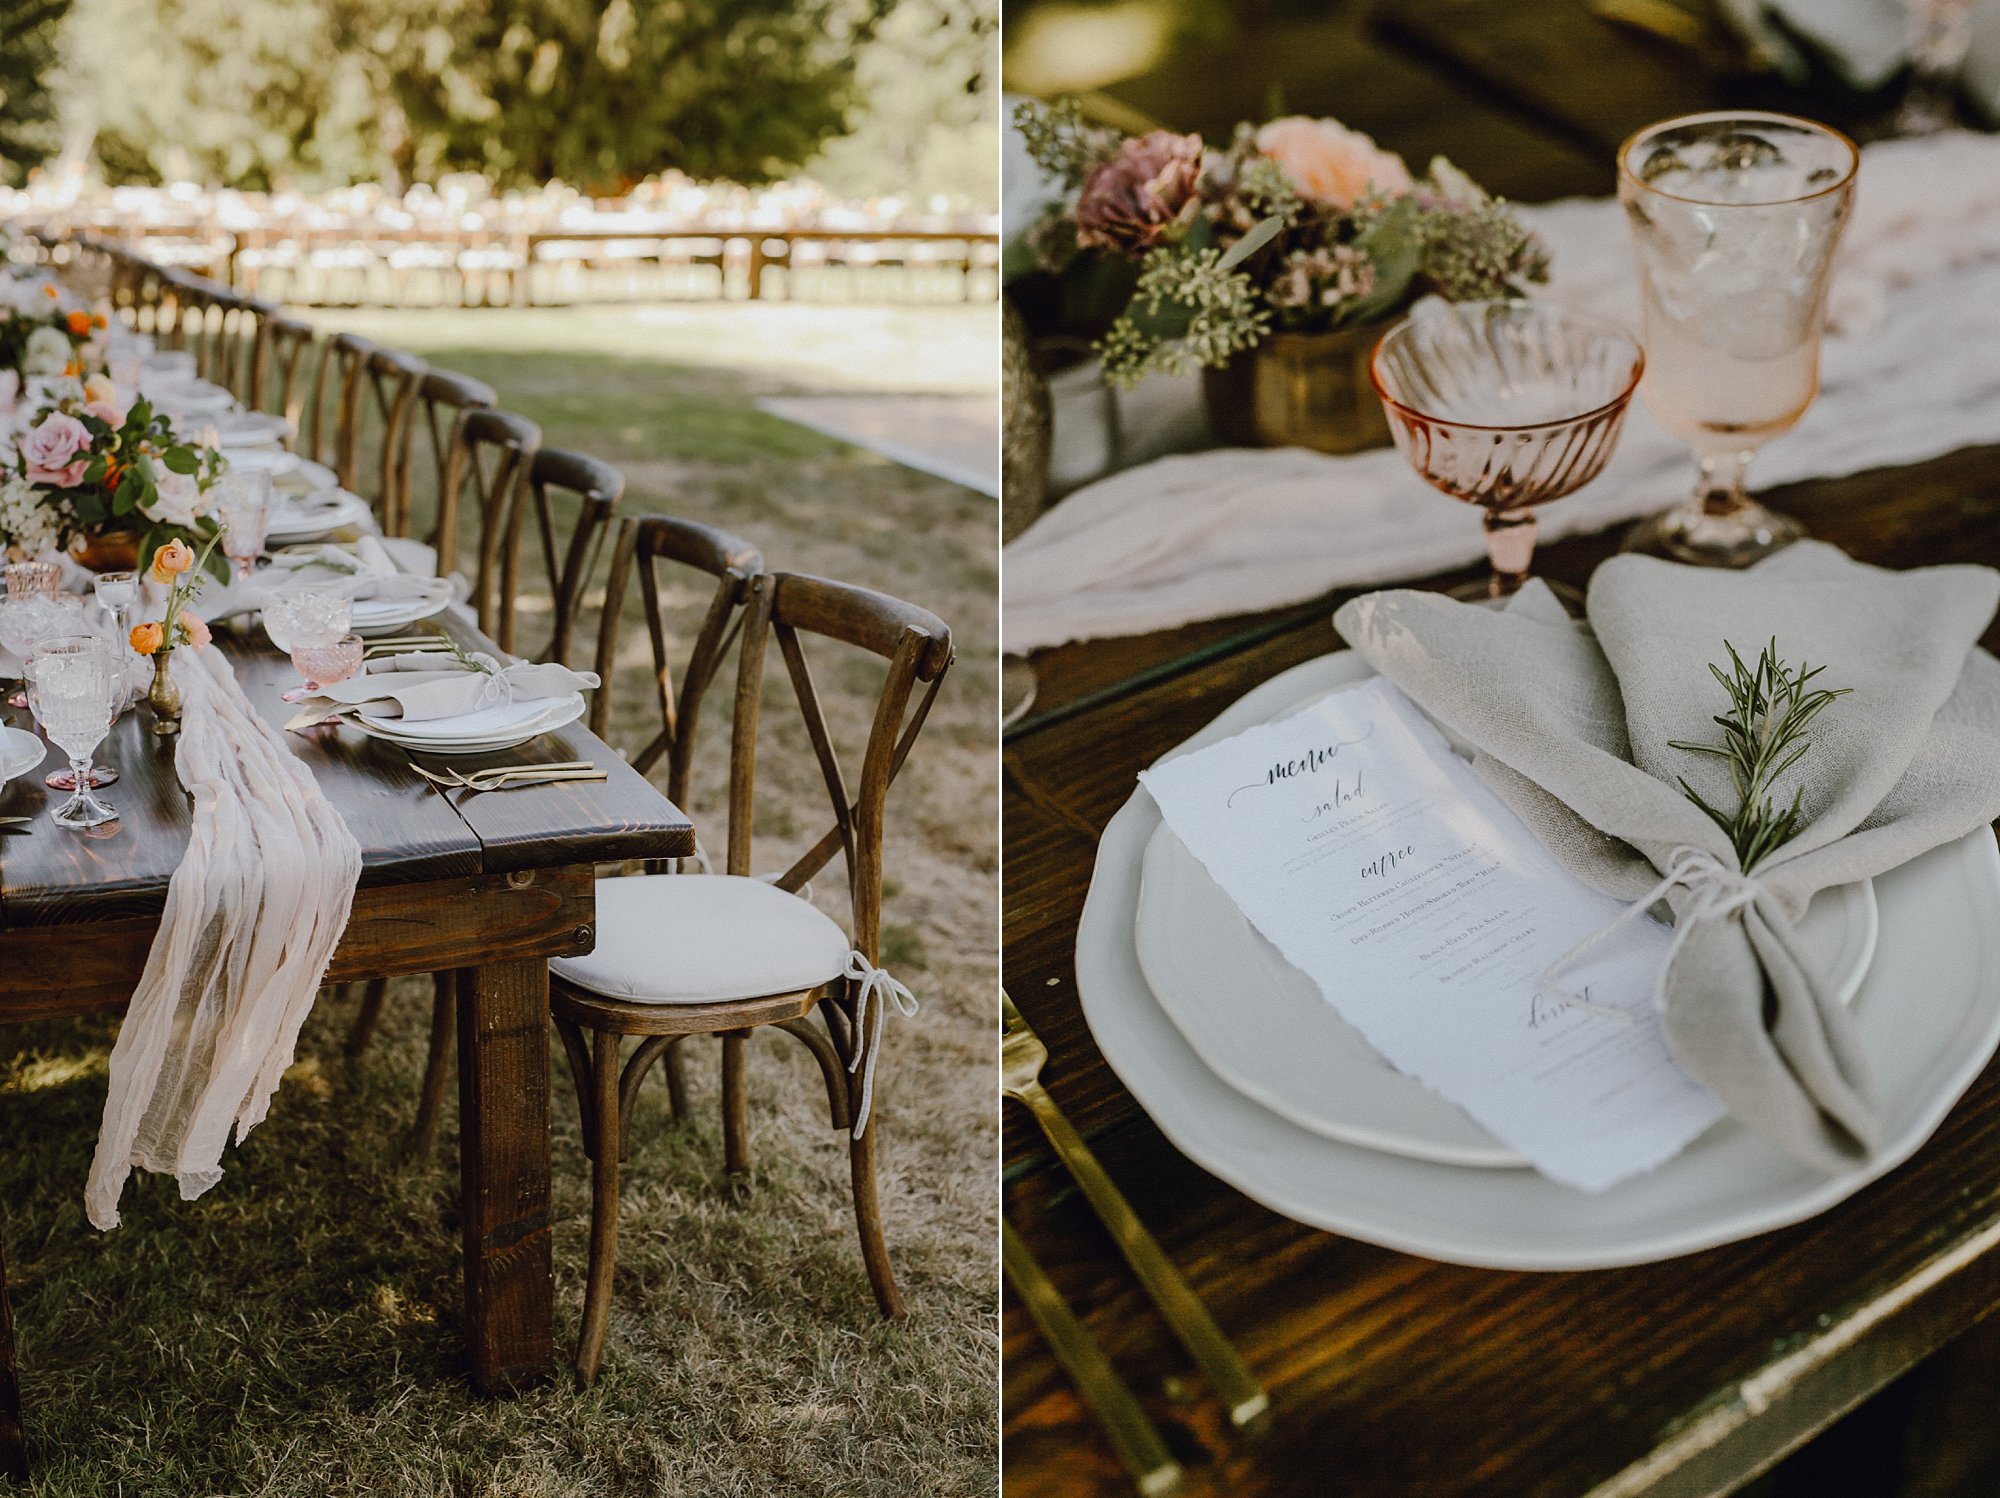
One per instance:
(275,367)
(334,401)
(593,489)
(681,954)
(384,401)
(486,469)
(642,544)
(443,398)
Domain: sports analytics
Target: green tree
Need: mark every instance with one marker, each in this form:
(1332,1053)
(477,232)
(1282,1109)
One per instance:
(602,92)
(29,33)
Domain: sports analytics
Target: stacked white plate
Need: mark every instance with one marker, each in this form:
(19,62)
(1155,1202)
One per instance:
(502,726)
(187,400)
(381,616)
(261,429)
(308,478)
(260,459)
(1251,1073)
(20,752)
(314,517)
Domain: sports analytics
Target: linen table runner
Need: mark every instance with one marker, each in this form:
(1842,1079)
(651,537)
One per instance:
(253,915)
(1572,729)
(1910,370)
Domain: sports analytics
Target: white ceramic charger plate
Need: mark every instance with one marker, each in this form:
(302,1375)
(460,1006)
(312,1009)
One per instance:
(504,726)
(20,752)
(314,518)
(379,616)
(1264,1027)
(259,459)
(1928,1016)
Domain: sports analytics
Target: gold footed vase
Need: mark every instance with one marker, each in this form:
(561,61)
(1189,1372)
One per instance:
(1300,390)
(163,696)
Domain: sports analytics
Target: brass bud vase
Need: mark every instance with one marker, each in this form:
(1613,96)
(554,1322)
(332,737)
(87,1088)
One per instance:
(1300,390)
(163,696)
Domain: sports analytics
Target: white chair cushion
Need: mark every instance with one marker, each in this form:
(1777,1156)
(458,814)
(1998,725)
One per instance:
(704,939)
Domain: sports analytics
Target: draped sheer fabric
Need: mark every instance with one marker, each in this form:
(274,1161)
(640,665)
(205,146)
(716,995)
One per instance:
(253,915)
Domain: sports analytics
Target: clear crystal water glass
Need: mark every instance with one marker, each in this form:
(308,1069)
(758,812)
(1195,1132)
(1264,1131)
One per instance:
(119,657)
(1734,219)
(1506,405)
(242,507)
(318,614)
(326,663)
(75,693)
(26,619)
(117,593)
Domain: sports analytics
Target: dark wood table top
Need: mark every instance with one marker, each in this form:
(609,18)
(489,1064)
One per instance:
(1390,1374)
(409,830)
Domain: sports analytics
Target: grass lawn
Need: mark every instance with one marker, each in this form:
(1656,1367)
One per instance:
(296,1331)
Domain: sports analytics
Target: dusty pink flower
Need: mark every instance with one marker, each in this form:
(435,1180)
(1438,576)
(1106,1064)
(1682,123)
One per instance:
(1131,201)
(1330,164)
(195,628)
(102,401)
(50,451)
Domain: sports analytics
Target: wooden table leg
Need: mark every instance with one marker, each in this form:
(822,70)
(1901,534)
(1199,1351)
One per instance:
(503,1092)
(13,1445)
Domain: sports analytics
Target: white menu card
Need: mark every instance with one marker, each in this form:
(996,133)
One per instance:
(1381,866)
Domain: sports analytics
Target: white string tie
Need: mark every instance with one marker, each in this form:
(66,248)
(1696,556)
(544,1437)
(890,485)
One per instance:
(1717,892)
(498,688)
(877,991)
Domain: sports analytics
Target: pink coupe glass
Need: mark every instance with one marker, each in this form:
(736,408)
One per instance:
(1506,405)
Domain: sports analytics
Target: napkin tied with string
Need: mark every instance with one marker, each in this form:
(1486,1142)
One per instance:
(1572,727)
(421,687)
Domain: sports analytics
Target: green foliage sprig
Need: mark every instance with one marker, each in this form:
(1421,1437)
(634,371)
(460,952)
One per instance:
(1763,735)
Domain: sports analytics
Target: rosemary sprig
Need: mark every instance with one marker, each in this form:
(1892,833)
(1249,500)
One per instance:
(1771,707)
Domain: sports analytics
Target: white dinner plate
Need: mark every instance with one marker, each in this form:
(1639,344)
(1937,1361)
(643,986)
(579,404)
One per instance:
(308,478)
(381,616)
(261,429)
(1265,1028)
(272,460)
(20,752)
(504,726)
(314,518)
(1927,1016)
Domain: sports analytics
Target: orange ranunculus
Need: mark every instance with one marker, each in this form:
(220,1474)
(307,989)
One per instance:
(112,470)
(99,320)
(50,292)
(79,324)
(194,629)
(148,637)
(74,369)
(171,560)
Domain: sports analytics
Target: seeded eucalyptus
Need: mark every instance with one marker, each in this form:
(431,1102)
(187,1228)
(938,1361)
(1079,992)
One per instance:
(1764,734)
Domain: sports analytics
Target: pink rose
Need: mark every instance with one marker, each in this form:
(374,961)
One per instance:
(1151,186)
(1330,164)
(51,449)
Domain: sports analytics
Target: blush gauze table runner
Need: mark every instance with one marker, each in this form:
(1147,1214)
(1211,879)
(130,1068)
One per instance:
(253,915)
(1573,731)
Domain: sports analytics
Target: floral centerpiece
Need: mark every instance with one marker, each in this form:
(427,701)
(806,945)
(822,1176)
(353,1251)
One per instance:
(107,481)
(39,337)
(1271,265)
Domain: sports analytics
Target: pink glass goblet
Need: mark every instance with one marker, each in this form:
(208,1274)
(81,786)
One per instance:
(1506,405)
(326,663)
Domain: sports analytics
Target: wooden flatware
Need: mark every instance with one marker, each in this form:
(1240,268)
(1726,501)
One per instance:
(1132,1435)
(1022,1056)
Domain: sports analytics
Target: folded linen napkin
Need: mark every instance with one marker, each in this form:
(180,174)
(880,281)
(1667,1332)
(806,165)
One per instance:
(1573,732)
(419,687)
